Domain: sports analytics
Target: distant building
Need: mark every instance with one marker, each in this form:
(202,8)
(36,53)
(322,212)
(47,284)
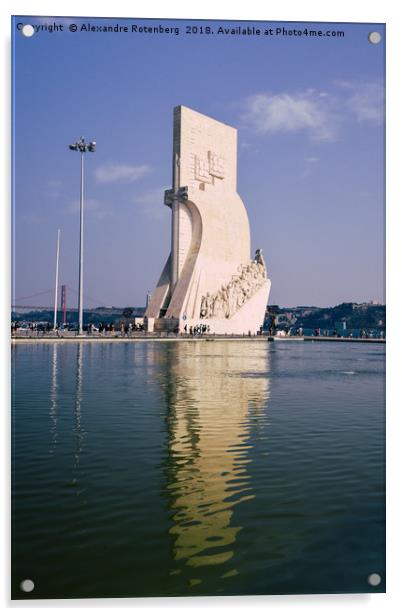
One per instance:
(340,325)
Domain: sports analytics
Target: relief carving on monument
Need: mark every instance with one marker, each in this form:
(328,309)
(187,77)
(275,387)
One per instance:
(201,171)
(206,169)
(216,165)
(226,302)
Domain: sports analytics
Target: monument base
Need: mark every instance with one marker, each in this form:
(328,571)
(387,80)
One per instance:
(247,320)
(166,324)
(149,324)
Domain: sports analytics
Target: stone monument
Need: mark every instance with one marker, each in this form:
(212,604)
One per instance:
(209,278)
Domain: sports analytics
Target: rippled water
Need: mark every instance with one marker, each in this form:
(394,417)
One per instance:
(183,468)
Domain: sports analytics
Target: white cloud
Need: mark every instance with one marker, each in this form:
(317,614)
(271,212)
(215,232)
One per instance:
(309,111)
(113,172)
(318,114)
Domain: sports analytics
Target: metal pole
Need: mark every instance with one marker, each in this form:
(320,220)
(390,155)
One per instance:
(81,257)
(175,226)
(81,147)
(64,302)
(57,280)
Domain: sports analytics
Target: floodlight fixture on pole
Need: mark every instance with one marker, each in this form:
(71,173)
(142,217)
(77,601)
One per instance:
(81,147)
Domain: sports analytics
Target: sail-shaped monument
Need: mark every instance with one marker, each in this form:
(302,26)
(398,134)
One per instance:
(210,277)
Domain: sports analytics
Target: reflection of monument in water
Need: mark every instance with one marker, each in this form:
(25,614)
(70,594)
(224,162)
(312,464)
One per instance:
(217,391)
(209,277)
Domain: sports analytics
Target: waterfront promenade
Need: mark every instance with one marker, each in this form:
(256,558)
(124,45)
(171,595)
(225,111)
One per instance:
(172,337)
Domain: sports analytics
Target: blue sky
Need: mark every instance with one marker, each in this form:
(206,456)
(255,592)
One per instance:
(310,154)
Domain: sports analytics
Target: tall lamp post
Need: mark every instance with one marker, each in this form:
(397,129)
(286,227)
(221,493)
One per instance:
(57,281)
(81,147)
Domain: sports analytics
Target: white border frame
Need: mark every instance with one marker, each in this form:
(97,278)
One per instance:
(387,12)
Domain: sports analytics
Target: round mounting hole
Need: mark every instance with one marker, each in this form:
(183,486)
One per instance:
(374,37)
(28,30)
(27,585)
(374,579)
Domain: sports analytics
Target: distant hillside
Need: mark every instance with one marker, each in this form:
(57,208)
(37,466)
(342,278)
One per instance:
(356,316)
(96,315)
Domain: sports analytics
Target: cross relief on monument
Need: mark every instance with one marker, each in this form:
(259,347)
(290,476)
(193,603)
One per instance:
(216,165)
(202,170)
(208,168)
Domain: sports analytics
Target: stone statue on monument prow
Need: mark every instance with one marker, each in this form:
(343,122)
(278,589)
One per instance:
(259,258)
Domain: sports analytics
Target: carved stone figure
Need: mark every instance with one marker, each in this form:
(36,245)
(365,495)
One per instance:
(233,296)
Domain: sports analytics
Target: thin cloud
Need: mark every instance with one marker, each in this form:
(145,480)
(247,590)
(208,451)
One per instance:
(151,204)
(113,172)
(308,166)
(365,100)
(32,219)
(93,206)
(319,114)
(304,111)
(53,189)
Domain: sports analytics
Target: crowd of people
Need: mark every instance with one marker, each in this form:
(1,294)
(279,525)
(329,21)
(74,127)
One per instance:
(126,329)
(197,330)
(324,333)
(33,328)
(103,329)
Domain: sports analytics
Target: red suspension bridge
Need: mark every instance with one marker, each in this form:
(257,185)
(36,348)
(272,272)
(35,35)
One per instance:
(43,300)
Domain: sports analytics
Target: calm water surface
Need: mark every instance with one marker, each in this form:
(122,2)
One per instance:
(192,468)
